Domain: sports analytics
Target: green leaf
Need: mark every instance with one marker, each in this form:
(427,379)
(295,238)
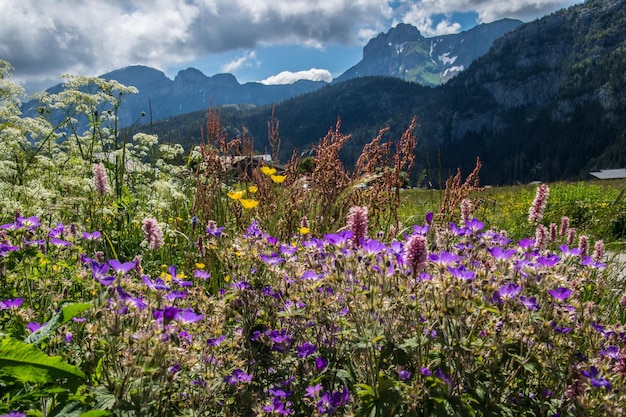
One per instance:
(95,413)
(73,310)
(67,313)
(26,363)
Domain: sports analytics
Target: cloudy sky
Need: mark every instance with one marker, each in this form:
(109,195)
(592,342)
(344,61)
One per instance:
(272,41)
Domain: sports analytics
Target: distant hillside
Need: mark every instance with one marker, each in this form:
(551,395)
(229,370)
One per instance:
(404,53)
(160,97)
(548,102)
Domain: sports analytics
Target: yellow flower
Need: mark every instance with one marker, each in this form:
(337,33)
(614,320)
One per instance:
(268,171)
(200,265)
(236,195)
(278,178)
(248,204)
(253,189)
(304,230)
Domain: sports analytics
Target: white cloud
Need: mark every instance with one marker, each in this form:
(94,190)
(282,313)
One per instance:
(288,77)
(248,60)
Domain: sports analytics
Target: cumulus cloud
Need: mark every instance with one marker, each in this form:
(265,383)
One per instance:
(420,13)
(288,77)
(45,39)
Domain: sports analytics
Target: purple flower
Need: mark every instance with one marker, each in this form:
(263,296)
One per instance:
(313,391)
(372,246)
(610,352)
(213,230)
(156,285)
(338,239)
(189,316)
(425,371)
(421,230)
(509,291)
(309,274)
(306,349)
(595,380)
(216,341)
(570,252)
(280,338)
(560,329)
(14,414)
(60,242)
(30,223)
(501,254)
(530,302)
(443,259)
(121,268)
(462,273)
(202,274)
(33,326)
(548,261)
(588,261)
(238,375)
(458,231)
(474,225)
(272,259)
(429,217)
(321,363)
(99,273)
(404,375)
(526,243)
(92,236)
(11,304)
(561,293)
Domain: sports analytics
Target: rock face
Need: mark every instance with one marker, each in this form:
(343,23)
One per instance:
(404,53)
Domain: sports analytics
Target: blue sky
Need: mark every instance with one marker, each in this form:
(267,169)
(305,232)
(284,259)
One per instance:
(271,41)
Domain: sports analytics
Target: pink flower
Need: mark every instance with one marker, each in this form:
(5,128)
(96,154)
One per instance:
(416,253)
(357,223)
(153,233)
(535,214)
(100,179)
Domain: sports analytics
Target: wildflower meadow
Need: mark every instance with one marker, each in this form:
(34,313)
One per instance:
(143,279)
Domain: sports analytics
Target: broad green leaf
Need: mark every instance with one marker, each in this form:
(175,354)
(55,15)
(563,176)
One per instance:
(26,363)
(67,313)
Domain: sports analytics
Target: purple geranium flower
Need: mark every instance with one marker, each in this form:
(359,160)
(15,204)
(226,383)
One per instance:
(121,268)
(595,380)
(443,259)
(339,239)
(509,291)
(238,375)
(462,273)
(91,236)
(561,293)
(306,349)
(313,391)
(11,304)
(189,316)
(156,285)
(610,352)
(530,302)
(501,254)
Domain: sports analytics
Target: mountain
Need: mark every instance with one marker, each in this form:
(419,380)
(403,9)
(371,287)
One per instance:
(404,53)
(547,102)
(160,97)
